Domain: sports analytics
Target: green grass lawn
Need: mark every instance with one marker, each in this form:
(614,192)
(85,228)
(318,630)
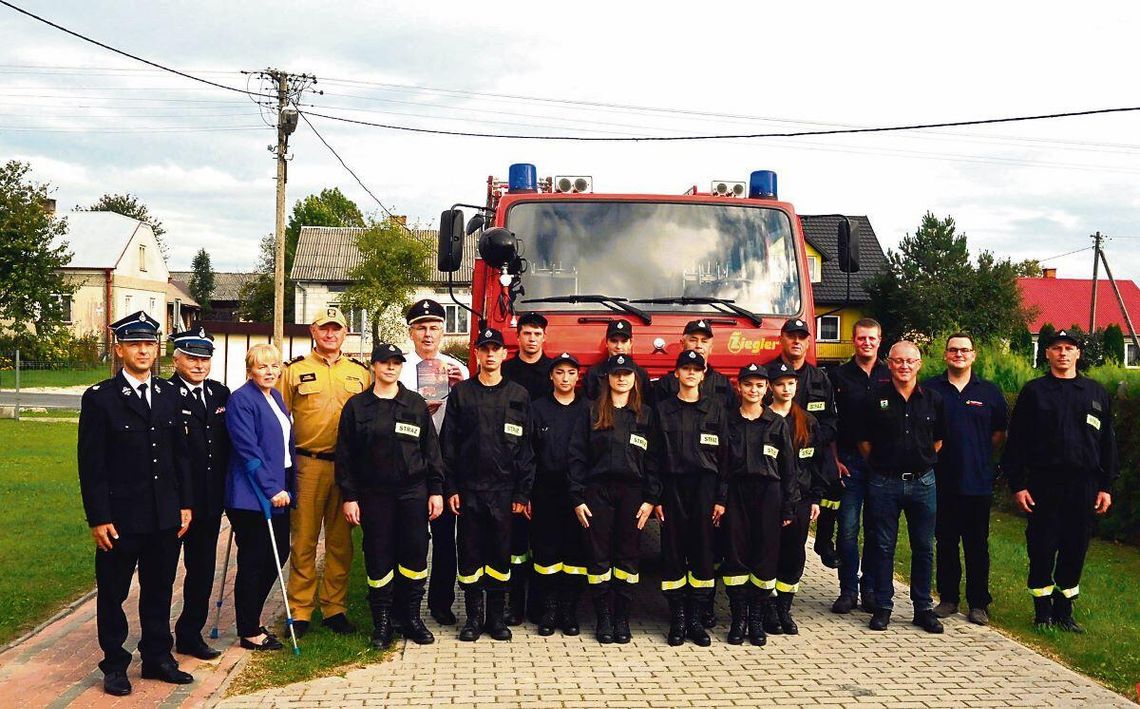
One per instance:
(46,553)
(53,377)
(323,652)
(1107,607)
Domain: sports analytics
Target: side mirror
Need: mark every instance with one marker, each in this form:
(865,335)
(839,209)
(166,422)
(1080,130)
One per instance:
(450,255)
(475,224)
(848,240)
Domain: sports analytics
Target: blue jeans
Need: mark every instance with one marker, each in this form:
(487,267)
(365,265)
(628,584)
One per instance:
(850,508)
(887,496)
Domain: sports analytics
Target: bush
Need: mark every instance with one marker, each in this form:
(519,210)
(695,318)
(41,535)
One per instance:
(994,362)
(458,350)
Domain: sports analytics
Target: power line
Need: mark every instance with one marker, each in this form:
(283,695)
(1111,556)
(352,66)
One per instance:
(1067,253)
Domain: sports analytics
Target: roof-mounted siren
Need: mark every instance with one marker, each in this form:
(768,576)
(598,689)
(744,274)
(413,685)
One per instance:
(728,188)
(522,177)
(762,185)
(573,184)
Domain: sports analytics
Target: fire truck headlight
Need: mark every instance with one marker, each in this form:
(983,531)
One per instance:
(659,344)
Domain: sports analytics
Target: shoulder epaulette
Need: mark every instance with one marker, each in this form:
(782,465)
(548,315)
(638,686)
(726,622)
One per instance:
(295,360)
(360,362)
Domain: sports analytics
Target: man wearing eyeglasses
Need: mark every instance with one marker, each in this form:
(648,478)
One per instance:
(432,374)
(975,428)
(903,428)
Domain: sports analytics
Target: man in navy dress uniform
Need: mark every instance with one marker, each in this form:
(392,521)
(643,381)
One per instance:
(137,497)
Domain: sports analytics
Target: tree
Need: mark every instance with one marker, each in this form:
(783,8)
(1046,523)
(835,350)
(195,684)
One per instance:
(392,263)
(32,286)
(931,287)
(256,294)
(202,280)
(1021,342)
(1043,335)
(1114,344)
(130,206)
(327,208)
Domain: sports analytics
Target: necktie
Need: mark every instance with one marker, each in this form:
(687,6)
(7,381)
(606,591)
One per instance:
(198,397)
(142,395)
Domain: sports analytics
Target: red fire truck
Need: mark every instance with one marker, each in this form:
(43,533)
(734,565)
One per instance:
(733,256)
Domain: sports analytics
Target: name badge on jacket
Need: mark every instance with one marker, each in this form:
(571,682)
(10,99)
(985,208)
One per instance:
(639,441)
(807,452)
(710,439)
(1093,421)
(408,429)
(512,429)
(771,451)
(816,405)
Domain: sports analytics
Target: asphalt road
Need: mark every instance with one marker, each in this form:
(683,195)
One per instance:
(49,401)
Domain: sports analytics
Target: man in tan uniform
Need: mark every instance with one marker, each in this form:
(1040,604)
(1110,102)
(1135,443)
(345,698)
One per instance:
(316,387)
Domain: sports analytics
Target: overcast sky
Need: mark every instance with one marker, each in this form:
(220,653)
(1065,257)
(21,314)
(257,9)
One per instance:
(91,122)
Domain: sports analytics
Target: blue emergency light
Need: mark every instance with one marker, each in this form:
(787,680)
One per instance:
(522,177)
(762,185)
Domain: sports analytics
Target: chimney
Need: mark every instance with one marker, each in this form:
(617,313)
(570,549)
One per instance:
(1048,273)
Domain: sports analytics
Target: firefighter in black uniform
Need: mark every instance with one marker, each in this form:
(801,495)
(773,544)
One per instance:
(1061,461)
(530,367)
(390,472)
(613,491)
(619,341)
(811,482)
(698,337)
(489,473)
(203,408)
(761,484)
(690,430)
(135,482)
(555,537)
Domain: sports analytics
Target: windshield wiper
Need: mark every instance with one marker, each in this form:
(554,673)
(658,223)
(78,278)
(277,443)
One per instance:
(615,304)
(725,305)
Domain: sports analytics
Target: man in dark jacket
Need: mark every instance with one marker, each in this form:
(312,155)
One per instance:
(137,497)
(390,473)
(489,472)
(203,409)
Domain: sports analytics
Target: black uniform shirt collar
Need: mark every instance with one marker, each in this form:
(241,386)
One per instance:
(401,397)
(1078,381)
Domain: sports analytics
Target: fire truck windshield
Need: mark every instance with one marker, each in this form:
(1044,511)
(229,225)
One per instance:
(640,250)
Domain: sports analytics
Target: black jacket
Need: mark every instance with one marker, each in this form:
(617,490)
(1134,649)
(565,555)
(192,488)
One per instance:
(535,377)
(714,384)
(762,448)
(386,443)
(1061,428)
(813,475)
(551,427)
(623,452)
(207,443)
(133,467)
(816,396)
(690,438)
(484,441)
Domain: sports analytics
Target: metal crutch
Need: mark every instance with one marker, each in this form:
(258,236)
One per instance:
(222,588)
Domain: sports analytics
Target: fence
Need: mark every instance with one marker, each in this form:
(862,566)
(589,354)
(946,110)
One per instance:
(47,385)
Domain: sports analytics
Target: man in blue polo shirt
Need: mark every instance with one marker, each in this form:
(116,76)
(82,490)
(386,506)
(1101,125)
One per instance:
(976,417)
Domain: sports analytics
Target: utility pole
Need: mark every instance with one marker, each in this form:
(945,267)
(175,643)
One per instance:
(287,87)
(1097,238)
(1120,301)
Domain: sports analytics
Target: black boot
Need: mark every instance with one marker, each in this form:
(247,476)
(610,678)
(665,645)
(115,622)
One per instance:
(568,609)
(516,609)
(621,620)
(473,627)
(771,617)
(1042,612)
(604,629)
(695,629)
(399,606)
(1063,614)
(708,611)
(676,634)
(784,613)
(548,620)
(496,625)
(381,625)
(756,634)
(738,626)
(414,628)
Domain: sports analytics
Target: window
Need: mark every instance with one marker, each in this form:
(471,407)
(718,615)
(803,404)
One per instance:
(1131,356)
(456,321)
(814,269)
(127,304)
(355,318)
(827,328)
(142,257)
(65,307)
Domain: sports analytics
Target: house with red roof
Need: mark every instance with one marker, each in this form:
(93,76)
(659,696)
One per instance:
(1064,302)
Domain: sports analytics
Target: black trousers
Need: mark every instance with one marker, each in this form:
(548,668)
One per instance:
(612,542)
(555,535)
(484,540)
(199,557)
(687,547)
(441,586)
(520,559)
(256,568)
(394,526)
(156,556)
(1057,535)
(965,519)
(752,523)
(793,550)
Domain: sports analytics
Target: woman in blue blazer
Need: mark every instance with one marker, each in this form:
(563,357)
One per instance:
(260,482)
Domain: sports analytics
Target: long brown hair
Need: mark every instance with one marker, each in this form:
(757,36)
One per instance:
(801,426)
(604,408)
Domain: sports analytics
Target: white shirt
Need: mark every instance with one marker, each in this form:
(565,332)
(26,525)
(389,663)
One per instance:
(286,426)
(410,380)
(136,383)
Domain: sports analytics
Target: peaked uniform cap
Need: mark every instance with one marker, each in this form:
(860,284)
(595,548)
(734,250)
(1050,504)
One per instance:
(426,309)
(386,351)
(564,358)
(695,326)
(620,363)
(489,336)
(779,369)
(619,327)
(751,371)
(690,357)
(795,325)
(328,315)
(195,342)
(136,327)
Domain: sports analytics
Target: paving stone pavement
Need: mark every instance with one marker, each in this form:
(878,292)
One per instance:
(834,661)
